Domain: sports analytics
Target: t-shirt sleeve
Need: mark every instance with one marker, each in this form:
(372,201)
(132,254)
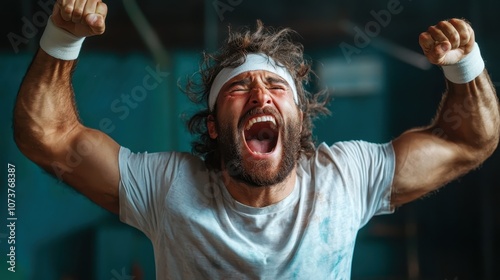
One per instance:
(145,179)
(368,171)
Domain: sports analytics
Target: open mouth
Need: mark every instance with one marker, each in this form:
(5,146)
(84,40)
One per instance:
(261,134)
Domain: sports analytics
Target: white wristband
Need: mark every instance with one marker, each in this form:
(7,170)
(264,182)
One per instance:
(466,69)
(59,43)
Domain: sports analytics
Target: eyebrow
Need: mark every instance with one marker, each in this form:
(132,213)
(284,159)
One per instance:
(277,80)
(268,80)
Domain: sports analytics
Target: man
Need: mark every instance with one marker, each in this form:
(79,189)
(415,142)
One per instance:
(262,202)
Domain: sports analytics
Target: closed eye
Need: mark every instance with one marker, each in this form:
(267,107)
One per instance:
(238,89)
(276,84)
(277,88)
(239,86)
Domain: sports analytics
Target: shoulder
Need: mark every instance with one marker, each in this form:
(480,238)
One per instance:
(166,164)
(162,158)
(347,151)
(347,161)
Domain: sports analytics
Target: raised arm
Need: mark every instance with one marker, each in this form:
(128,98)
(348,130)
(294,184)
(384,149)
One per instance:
(466,128)
(46,123)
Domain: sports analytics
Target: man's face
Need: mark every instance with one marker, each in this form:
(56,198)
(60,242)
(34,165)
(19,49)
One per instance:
(257,127)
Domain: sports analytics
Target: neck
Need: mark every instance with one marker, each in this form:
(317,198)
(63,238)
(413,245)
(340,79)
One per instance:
(259,196)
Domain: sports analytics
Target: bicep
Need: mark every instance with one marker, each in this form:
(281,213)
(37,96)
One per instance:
(87,160)
(424,162)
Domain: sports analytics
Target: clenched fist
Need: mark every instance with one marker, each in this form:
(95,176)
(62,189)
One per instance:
(82,18)
(447,42)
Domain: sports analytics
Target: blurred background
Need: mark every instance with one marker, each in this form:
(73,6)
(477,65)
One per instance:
(365,52)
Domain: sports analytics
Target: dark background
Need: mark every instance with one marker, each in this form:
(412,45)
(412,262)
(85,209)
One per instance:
(381,90)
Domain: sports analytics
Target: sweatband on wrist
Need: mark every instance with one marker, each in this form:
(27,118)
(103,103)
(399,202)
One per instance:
(466,69)
(59,43)
(253,62)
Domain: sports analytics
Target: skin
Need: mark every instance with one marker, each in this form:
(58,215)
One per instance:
(47,129)
(247,91)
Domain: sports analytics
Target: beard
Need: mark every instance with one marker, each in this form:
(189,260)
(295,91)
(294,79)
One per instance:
(259,173)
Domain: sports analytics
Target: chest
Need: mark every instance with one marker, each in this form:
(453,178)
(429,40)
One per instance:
(203,232)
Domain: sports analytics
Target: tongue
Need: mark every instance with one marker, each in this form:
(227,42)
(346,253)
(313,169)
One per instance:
(260,146)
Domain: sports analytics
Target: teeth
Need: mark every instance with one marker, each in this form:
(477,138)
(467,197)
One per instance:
(261,119)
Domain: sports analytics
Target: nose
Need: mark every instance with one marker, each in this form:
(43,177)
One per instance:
(260,96)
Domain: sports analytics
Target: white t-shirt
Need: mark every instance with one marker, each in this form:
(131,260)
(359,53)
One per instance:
(199,231)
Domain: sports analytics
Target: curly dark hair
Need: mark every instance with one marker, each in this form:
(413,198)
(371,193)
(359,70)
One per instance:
(275,43)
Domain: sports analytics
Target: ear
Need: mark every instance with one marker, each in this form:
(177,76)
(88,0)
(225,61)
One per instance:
(212,129)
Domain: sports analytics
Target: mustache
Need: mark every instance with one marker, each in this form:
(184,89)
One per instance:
(261,111)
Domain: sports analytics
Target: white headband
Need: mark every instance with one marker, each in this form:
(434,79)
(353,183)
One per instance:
(254,61)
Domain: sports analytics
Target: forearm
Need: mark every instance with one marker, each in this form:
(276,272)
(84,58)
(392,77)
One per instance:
(45,108)
(466,128)
(469,117)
